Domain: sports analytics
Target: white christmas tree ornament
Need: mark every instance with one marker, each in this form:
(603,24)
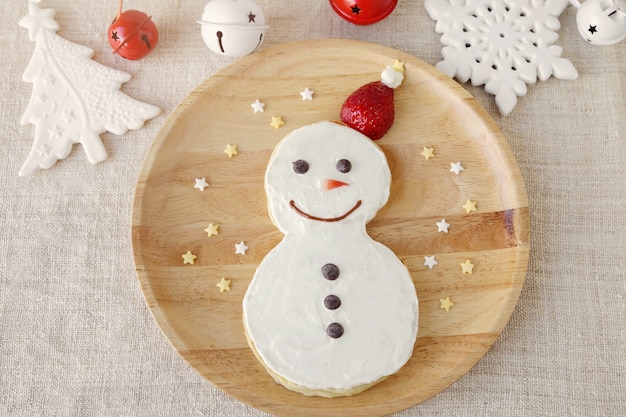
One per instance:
(74,98)
(504,45)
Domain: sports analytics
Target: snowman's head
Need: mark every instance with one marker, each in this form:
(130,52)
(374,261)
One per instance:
(325,173)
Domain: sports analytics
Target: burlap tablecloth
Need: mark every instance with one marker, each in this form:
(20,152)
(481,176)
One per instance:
(76,338)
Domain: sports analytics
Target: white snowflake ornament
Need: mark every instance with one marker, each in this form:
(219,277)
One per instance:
(74,98)
(504,45)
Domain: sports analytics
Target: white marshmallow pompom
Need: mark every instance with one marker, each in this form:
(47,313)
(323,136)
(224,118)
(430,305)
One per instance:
(391,77)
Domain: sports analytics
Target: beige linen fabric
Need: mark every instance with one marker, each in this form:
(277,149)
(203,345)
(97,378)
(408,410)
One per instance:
(76,338)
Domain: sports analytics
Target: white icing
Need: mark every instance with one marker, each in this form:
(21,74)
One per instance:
(283,309)
(391,78)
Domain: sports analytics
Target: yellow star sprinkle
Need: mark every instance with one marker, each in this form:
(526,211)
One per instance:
(277,121)
(445,304)
(398,65)
(189,258)
(230,150)
(467,266)
(428,153)
(469,206)
(212,229)
(224,285)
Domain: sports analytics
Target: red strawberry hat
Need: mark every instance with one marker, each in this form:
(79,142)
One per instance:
(370,109)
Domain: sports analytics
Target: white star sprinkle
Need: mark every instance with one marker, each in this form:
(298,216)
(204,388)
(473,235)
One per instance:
(258,106)
(307,94)
(430,261)
(201,184)
(442,226)
(240,248)
(456,167)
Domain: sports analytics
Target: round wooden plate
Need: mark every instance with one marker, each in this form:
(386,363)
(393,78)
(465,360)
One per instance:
(170,215)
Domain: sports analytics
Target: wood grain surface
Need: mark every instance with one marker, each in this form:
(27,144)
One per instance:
(170,215)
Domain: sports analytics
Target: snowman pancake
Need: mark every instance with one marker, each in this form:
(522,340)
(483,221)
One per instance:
(329,311)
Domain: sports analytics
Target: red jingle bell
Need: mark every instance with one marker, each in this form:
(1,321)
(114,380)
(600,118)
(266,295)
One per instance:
(363,12)
(132,34)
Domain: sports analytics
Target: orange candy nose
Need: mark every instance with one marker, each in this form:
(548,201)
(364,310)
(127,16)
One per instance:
(329,184)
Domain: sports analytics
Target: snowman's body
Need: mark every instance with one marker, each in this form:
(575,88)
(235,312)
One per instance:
(329,311)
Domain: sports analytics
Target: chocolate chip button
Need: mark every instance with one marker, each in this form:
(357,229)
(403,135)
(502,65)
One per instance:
(332,302)
(330,272)
(334,330)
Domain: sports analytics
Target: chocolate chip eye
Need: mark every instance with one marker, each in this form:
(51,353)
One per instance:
(300,166)
(343,165)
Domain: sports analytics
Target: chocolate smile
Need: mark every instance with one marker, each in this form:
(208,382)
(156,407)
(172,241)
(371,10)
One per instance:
(324,219)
